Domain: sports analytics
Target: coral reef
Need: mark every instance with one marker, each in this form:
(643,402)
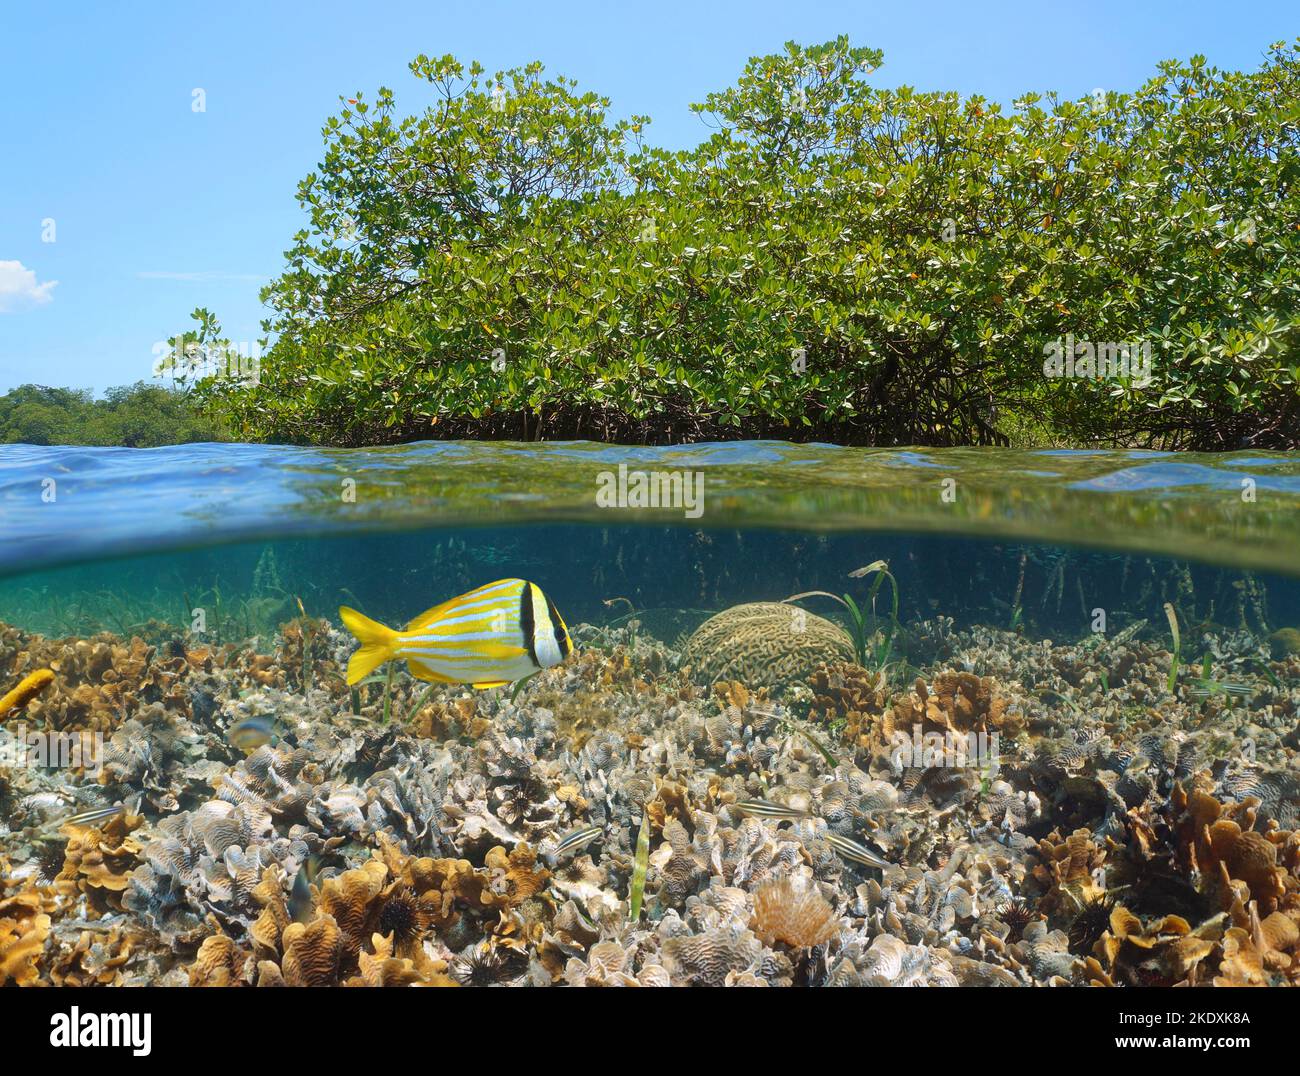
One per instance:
(1120,837)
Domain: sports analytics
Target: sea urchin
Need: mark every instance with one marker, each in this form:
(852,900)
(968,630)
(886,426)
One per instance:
(403,917)
(1017,914)
(1090,924)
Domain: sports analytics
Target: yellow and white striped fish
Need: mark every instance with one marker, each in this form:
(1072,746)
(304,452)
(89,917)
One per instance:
(502,632)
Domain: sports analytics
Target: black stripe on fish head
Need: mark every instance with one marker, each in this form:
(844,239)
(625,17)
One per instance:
(527,624)
(561,632)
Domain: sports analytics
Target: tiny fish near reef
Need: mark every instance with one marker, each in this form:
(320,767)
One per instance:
(853,850)
(495,635)
(90,817)
(28,688)
(576,839)
(301,899)
(768,809)
(253,732)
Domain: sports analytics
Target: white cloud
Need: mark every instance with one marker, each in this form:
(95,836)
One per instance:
(18,288)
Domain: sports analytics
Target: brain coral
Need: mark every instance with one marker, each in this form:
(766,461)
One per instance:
(765,644)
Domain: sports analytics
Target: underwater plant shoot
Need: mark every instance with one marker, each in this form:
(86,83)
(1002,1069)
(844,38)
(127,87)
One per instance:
(841,533)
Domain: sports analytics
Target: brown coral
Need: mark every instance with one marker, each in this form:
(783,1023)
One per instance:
(1252,957)
(1065,871)
(1220,844)
(1164,952)
(312,952)
(99,860)
(217,962)
(98,680)
(514,878)
(382,968)
(350,901)
(24,926)
(98,958)
(1249,857)
(959,702)
(849,696)
(792,911)
(365,923)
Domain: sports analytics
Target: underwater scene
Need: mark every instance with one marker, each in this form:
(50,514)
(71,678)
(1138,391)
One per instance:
(570,714)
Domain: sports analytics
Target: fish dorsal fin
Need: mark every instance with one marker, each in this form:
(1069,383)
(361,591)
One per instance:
(439,611)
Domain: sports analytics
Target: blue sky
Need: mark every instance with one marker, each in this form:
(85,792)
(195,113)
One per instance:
(157,209)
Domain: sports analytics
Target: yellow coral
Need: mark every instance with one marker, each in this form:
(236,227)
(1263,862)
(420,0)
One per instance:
(24,927)
(98,861)
(312,953)
(28,688)
(216,962)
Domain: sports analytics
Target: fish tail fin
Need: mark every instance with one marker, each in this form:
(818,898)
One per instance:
(377,643)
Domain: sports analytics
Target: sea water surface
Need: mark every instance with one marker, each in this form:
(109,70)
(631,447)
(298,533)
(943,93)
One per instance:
(1113,625)
(62,504)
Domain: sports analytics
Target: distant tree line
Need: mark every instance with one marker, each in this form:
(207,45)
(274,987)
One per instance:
(136,416)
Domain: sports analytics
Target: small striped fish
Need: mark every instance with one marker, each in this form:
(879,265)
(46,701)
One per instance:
(498,634)
(768,809)
(90,817)
(572,841)
(1239,690)
(858,853)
